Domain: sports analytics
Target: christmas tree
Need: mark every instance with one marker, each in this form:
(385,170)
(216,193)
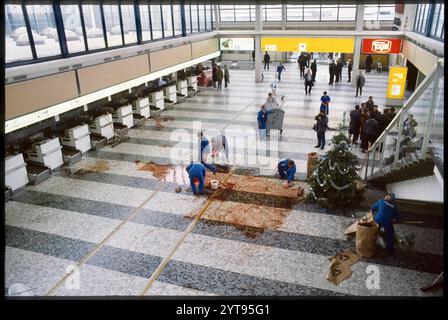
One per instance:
(335,182)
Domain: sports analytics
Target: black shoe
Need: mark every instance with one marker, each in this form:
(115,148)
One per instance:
(316,146)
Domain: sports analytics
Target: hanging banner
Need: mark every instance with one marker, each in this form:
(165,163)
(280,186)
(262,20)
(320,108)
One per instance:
(342,45)
(236,44)
(381,46)
(397,82)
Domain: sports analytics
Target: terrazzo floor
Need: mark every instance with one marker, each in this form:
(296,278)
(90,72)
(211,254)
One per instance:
(106,226)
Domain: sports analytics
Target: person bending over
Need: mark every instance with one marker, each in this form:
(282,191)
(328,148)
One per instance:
(287,170)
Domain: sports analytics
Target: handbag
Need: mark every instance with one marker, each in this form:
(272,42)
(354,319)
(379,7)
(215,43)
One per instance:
(315,127)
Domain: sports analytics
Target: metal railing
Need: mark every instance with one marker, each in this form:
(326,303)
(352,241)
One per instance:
(395,128)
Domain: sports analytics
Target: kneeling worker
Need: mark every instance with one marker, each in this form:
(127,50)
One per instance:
(196,172)
(287,169)
(385,213)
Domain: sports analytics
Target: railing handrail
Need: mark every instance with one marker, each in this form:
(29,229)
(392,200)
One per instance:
(407,105)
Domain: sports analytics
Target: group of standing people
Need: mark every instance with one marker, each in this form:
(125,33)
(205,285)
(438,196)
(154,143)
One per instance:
(304,61)
(335,71)
(367,122)
(218,75)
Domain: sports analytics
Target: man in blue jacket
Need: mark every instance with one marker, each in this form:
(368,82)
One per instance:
(196,172)
(280,69)
(262,117)
(385,214)
(287,170)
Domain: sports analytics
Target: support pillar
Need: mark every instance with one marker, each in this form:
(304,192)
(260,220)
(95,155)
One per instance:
(358,42)
(258,53)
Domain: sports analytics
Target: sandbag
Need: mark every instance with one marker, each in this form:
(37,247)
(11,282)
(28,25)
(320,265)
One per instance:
(366,238)
(312,163)
(339,271)
(351,230)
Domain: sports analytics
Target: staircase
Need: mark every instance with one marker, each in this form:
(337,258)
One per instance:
(409,163)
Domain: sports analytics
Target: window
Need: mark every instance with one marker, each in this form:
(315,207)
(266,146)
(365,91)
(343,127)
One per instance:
(177,18)
(144,21)
(329,13)
(379,12)
(430,20)
(208,17)
(156,22)
(167,18)
(129,29)
(202,26)
(17,44)
(94,27)
(113,27)
(311,13)
(242,14)
(45,34)
(194,18)
(74,34)
(227,13)
(272,12)
(294,13)
(347,13)
(187,19)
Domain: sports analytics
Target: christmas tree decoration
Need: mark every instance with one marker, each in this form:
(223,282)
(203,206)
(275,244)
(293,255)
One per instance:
(335,181)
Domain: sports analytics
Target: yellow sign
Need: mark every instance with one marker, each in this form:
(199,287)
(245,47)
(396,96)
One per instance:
(397,82)
(343,45)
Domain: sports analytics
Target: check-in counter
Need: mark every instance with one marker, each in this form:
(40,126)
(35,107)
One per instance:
(47,153)
(16,176)
(182,88)
(123,115)
(170,94)
(192,83)
(157,99)
(77,138)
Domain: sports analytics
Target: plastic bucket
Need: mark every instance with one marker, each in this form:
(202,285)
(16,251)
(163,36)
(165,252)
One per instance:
(214,184)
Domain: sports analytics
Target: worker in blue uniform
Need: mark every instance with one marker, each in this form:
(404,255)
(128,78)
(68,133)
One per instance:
(385,214)
(262,117)
(204,147)
(196,172)
(287,170)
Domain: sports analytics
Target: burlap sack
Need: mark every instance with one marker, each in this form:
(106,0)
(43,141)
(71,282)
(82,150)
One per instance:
(347,257)
(312,163)
(339,271)
(366,238)
(351,231)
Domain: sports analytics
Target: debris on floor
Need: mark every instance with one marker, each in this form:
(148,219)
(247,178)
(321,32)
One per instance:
(340,266)
(339,271)
(165,172)
(178,189)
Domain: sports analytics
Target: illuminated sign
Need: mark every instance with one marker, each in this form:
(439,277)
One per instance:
(397,82)
(236,44)
(381,46)
(343,45)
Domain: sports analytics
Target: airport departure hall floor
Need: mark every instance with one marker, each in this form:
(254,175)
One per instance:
(117,218)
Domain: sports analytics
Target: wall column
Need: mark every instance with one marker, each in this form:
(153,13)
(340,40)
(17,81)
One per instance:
(258,53)
(358,42)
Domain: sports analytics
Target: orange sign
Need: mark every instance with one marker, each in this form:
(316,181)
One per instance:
(381,46)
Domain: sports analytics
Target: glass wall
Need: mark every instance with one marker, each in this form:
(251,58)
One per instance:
(320,12)
(94,27)
(430,20)
(113,27)
(379,12)
(156,22)
(45,34)
(237,13)
(272,12)
(74,32)
(129,29)
(145,23)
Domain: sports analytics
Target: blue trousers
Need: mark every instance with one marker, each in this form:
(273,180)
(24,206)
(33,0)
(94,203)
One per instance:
(321,139)
(193,186)
(389,229)
(282,171)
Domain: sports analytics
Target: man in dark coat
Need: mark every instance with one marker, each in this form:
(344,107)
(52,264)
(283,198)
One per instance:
(302,65)
(371,133)
(313,68)
(339,66)
(332,71)
(266,60)
(349,69)
(369,61)
(321,127)
(355,124)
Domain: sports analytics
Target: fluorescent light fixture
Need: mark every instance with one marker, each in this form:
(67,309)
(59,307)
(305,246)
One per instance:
(52,111)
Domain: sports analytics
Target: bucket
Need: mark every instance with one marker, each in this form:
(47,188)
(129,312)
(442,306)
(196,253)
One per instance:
(214,184)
